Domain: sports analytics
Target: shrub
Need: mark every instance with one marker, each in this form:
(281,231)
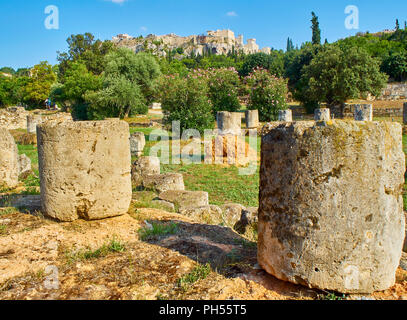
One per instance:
(268,94)
(185,99)
(223,86)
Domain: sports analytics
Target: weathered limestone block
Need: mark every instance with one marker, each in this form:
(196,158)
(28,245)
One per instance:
(229,123)
(186,199)
(405,113)
(363,112)
(24,167)
(84,169)
(285,115)
(252,119)
(205,214)
(323,114)
(331,207)
(137,143)
(144,166)
(164,182)
(8,160)
(232,212)
(32,121)
(168,206)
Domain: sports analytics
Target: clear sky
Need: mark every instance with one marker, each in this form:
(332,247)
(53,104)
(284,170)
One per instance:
(26,41)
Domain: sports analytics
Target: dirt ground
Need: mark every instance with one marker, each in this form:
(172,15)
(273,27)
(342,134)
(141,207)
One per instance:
(39,260)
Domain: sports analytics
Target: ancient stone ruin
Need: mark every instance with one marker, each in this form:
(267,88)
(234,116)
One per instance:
(252,119)
(285,115)
(84,169)
(229,123)
(9,165)
(322,114)
(137,143)
(32,121)
(363,112)
(331,207)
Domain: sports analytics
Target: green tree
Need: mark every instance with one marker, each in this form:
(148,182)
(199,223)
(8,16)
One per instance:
(338,74)
(316,31)
(395,65)
(273,62)
(185,99)
(290,45)
(39,85)
(268,94)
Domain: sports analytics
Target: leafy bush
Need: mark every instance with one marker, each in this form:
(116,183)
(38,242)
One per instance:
(273,62)
(223,85)
(268,94)
(185,99)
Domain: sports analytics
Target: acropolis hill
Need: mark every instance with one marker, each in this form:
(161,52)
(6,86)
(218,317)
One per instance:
(214,42)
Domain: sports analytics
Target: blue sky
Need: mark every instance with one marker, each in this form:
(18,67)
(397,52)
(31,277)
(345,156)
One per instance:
(25,41)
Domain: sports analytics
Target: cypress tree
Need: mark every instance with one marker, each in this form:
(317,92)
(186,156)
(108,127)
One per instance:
(316,31)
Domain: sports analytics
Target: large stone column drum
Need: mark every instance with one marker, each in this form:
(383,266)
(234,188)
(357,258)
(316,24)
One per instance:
(229,123)
(9,169)
(331,206)
(84,169)
(252,119)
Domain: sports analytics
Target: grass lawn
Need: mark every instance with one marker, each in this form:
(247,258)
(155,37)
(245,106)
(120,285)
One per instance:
(224,184)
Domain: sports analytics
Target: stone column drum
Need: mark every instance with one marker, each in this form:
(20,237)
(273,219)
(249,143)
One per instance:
(363,112)
(137,143)
(323,114)
(252,119)
(9,169)
(32,122)
(285,115)
(84,169)
(229,122)
(405,113)
(331,207)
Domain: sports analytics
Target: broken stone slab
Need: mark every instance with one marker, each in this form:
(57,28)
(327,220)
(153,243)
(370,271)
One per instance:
(9,169)
(322,114)
(205,214)
(185,199)
(252,118)
(165,204)
(232,213)
(335,190)
(285,115)
(24,167)
(137,143)
(164,182)
(229,123)
(84,169)
(247,219)
(144,166)
(363,112)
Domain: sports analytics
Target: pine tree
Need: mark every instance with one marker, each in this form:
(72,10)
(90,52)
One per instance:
(316,31)
(397,25)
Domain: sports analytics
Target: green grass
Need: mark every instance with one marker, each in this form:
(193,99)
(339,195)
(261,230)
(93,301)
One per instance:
(3,229)
(111,247)
(200,272)
(157,231)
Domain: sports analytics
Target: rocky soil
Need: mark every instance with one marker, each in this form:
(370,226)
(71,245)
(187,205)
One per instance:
(34,252)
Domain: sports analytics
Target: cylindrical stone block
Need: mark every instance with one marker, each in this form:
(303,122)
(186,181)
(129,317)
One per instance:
(229,122)
(252,119)
(405,113)
(137,143)
(32,122)
(322,114)
(331,207)
(363,112)
(9,169)
(285,115)
(84,169)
